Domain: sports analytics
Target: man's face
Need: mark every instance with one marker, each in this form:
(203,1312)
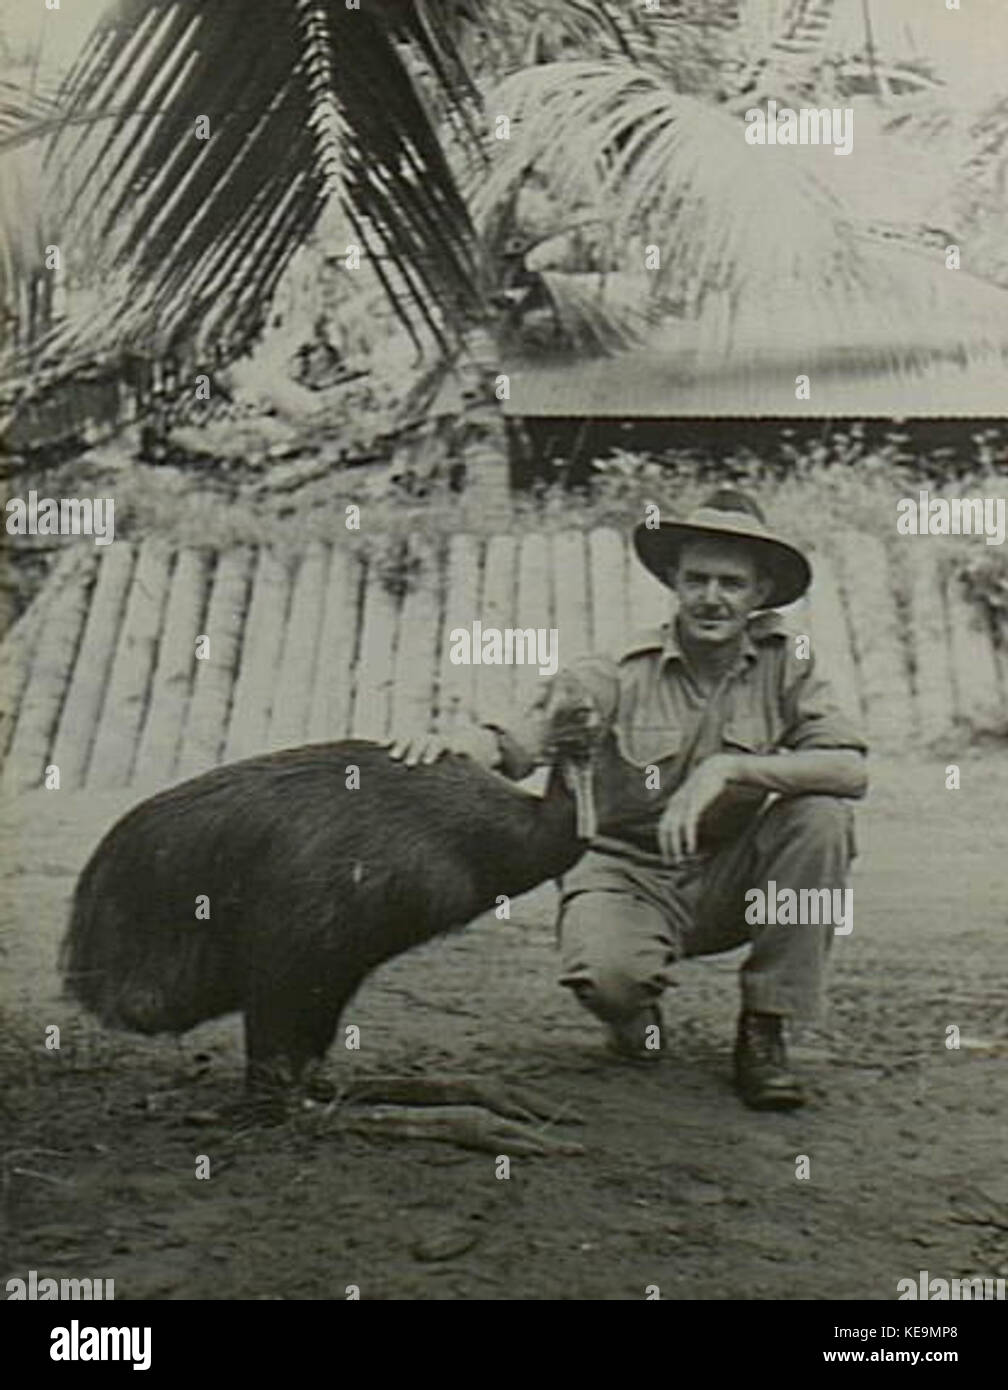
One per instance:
(718,585)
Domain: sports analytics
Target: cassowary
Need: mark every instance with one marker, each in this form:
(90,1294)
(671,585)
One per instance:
(273,886)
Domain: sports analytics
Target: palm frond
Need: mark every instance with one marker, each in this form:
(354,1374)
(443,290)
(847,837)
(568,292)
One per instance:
(802,49)
(27,221)
(26,112)
(746,237)
(598,312)
(797,26)
(965,149)
(305,101)
(668,170)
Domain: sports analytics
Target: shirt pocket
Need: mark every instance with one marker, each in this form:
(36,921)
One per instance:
(748,732)
(644,745)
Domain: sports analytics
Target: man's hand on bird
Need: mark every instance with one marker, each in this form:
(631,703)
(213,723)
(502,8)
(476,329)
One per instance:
(679,827)
(471,741)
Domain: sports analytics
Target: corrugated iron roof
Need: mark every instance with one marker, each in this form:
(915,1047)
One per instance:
(948,356)
(643,384)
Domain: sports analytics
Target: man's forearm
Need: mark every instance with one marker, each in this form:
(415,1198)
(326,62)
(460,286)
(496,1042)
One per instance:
(815,771)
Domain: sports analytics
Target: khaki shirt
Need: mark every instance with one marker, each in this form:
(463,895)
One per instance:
(661,726)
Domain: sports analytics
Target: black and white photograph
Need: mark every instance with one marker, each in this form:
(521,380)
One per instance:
(504,666)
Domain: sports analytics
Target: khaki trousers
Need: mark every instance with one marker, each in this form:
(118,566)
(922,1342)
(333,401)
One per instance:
(626,917)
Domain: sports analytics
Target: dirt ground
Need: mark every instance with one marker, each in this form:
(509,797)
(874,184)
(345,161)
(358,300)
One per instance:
(678,1185)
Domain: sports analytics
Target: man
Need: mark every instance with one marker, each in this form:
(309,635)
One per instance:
(729,767)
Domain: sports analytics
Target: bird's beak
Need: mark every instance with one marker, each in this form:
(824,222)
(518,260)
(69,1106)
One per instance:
(578,776)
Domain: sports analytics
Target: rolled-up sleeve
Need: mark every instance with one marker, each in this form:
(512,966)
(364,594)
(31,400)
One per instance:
(813,716)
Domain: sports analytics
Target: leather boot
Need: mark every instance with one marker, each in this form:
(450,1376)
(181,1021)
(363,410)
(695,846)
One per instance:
(763,1075)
